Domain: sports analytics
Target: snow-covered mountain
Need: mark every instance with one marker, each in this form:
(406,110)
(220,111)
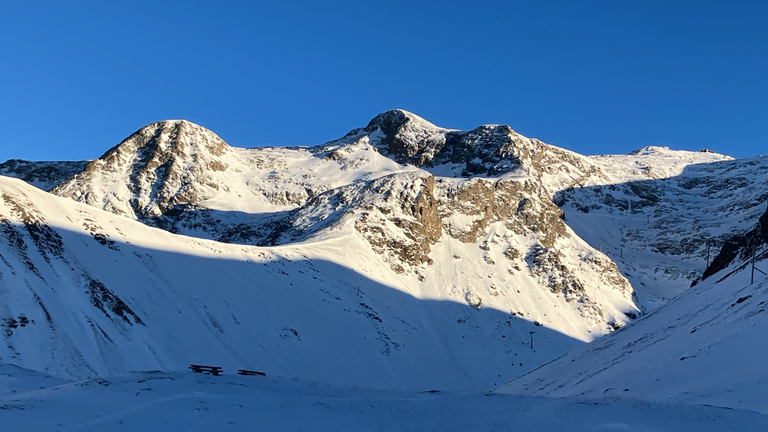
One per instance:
(402,255)
(183,178)
(657,213)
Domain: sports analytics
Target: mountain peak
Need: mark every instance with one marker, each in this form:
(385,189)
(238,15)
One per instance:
(390,122)
(170,136)
(649,150)
(666,151)
(161,164)
(489,150)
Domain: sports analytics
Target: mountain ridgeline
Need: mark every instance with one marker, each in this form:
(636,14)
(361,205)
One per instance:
(415,255)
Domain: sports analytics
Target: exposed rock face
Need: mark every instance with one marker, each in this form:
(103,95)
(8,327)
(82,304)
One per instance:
(414,213)
(487,150)
(469,208)
(44,175)
(741,247)
(407,138)
(396,214)
(520,205)
(168,164)
(557,277)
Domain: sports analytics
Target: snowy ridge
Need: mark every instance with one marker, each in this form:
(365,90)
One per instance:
(44,175)
(183,178)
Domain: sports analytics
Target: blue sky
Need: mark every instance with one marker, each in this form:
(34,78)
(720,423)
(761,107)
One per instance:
(591,76)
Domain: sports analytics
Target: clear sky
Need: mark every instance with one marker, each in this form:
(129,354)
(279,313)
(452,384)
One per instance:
(591,76)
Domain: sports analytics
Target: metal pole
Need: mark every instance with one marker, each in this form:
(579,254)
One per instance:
(531,333)
(752,280)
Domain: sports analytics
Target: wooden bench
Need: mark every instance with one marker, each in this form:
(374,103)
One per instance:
(212,370)
(250,372)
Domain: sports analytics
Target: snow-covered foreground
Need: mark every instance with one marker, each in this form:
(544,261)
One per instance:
(183,401)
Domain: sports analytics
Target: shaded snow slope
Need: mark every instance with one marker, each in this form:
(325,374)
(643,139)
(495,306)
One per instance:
(171,402)
(739,250)
(703,347)
(14,380)
(663,214)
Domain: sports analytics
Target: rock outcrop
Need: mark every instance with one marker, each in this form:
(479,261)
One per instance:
(44,175)
(741,248)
